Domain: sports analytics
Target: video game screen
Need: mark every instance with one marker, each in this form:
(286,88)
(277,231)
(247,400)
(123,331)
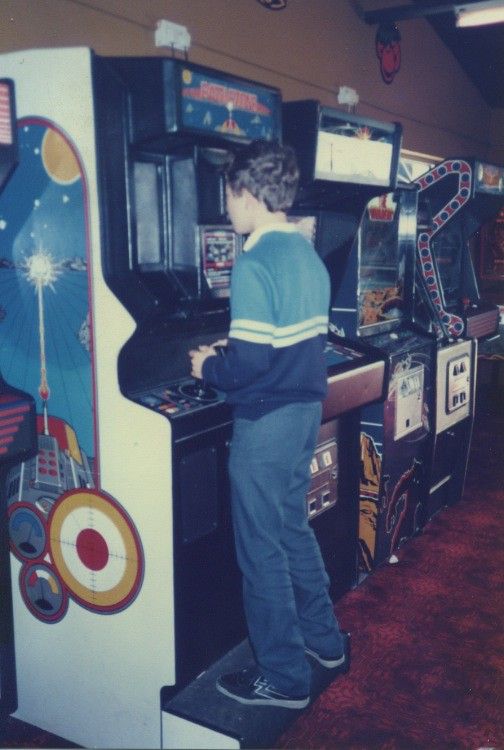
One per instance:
(220,247)
(381,267)
(447,246)
(354,153)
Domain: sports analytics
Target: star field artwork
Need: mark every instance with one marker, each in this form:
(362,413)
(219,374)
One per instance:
(44,327)
(74,541)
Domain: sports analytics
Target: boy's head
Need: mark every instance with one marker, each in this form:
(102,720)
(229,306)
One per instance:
(268,171)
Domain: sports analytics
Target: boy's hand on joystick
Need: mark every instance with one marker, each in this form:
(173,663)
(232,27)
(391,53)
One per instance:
(198,356)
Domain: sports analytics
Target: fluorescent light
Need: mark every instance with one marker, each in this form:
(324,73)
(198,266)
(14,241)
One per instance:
(480,14)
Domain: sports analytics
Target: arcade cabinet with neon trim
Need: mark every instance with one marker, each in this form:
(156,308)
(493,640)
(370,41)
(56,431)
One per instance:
(456,197)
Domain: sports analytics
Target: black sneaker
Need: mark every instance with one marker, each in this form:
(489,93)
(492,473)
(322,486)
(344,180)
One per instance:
(342,662)
(248,686)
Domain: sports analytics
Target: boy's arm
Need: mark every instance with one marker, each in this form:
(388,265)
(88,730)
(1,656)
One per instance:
(251,332)
(241,365)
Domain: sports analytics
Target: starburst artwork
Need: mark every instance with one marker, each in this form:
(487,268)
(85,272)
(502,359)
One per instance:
(41,269)
(44,278)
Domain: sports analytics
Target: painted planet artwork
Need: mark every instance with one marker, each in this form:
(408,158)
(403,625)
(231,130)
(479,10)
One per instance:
(45,337)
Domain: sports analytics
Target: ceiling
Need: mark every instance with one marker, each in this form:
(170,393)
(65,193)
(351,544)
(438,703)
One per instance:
(479,50)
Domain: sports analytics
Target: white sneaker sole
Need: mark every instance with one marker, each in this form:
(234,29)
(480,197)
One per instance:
(327,663)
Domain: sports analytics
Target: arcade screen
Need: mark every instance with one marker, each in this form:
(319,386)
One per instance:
(220,247)
(352,152)
(447,247)
(382,264)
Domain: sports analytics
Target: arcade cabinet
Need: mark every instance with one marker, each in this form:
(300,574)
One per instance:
(118,260)
(456,197)
(366,236)
(17,429)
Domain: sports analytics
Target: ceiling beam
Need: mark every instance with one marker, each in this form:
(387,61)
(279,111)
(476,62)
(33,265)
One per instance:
(405,12)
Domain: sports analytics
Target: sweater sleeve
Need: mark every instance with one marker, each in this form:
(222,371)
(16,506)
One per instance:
(251,331)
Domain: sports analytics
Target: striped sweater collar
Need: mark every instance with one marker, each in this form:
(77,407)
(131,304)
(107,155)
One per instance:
(255,236)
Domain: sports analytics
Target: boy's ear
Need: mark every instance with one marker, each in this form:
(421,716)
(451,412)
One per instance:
(251,201)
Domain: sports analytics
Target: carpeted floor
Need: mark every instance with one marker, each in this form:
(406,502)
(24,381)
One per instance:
(427,633)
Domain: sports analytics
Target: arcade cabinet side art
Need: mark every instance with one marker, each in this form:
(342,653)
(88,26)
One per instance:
(79,533)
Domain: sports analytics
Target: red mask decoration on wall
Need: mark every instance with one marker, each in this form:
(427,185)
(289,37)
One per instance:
(388,50)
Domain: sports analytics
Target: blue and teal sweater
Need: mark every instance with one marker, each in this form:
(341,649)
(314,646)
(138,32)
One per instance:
(279,319)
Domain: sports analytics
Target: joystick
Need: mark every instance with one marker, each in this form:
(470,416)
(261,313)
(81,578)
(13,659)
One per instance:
(198,390)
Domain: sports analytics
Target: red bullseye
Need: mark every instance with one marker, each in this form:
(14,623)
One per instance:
(92,549)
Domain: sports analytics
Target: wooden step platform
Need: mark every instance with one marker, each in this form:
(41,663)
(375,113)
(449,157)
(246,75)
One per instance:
(204,718)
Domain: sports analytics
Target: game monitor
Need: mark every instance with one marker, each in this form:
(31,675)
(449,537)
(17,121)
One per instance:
(344,158)
(383,266)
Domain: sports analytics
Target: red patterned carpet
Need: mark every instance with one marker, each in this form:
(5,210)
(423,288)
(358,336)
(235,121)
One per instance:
(427,634)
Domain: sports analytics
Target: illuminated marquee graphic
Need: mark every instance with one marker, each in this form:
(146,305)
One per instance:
(216,104)
(225,95)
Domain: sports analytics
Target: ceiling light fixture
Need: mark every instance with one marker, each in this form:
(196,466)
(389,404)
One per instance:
(480,14)
(466,14)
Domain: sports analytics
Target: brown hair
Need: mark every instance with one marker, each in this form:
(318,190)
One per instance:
(268,170)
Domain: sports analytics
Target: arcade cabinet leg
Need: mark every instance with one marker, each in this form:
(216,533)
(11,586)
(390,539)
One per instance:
(8,693)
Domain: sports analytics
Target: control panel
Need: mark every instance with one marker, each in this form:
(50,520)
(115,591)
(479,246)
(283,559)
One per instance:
(180,397)
(409,401)
(455,383)
(322,493)
(458,382)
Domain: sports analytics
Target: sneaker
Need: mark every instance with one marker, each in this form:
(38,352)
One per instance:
(253,689)
(333,661)
(329,662)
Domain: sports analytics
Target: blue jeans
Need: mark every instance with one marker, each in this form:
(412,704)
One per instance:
(285,584)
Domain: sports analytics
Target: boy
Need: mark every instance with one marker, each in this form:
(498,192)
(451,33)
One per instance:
(274,376)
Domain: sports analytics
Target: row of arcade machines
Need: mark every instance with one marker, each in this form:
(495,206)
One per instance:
(117,260)
(403,281)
